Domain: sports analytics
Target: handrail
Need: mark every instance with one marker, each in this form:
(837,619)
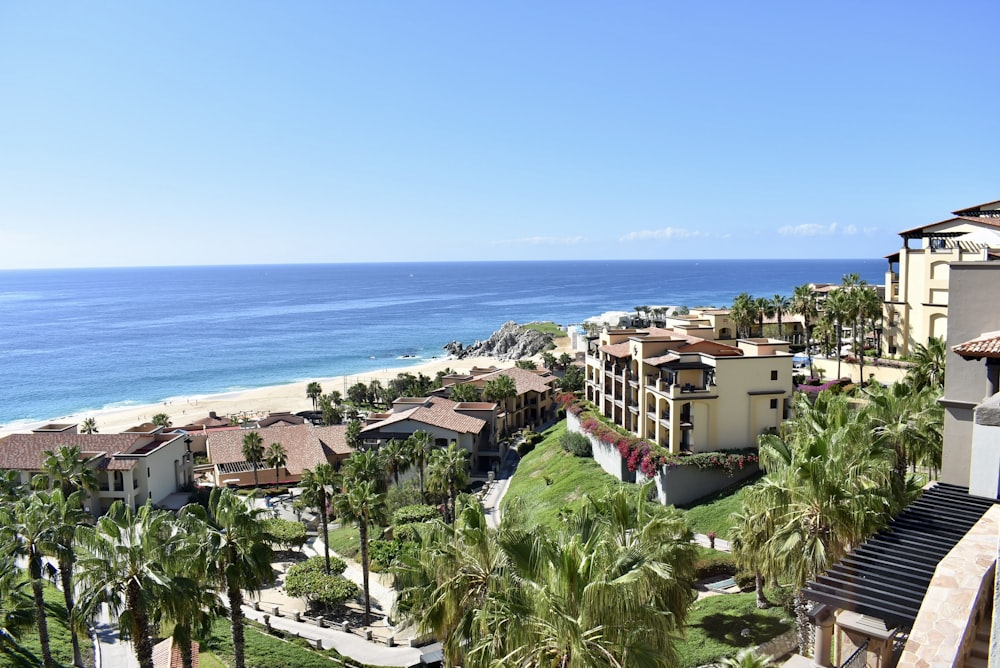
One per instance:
(859,659)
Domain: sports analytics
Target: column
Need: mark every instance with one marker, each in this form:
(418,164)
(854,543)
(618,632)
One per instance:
(822,617)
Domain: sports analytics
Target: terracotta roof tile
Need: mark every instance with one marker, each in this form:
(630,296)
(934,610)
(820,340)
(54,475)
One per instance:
(305,445)
(438,412)
(616,349)
(526,380)
(987,345)
(23,452)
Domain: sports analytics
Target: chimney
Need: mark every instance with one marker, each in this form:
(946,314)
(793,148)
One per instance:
(212,415)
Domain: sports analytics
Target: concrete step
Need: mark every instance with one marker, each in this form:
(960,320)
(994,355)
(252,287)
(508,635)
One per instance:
(980,648)
(977,662)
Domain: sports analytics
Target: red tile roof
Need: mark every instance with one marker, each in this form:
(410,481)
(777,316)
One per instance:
(438,412)
(987,345)
(616,349)
(526,380)
(166,655)
(305,445)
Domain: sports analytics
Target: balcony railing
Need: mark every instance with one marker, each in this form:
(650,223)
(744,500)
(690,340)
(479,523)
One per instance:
(859,659)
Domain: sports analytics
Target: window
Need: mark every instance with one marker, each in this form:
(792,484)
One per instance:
(774,403)
(774,376)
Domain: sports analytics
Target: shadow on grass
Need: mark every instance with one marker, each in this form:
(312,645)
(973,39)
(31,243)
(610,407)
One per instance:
(740,631)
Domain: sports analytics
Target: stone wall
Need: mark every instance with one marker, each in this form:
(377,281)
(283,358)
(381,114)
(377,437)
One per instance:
(683,484)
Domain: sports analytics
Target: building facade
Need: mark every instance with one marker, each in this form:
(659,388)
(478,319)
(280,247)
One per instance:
(686,393)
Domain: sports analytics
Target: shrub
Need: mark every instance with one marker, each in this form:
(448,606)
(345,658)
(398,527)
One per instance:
(406,494)
(408,532)
(414,513)
(383,552)
(576,444)
(285,532)
(317,564)
(319,588)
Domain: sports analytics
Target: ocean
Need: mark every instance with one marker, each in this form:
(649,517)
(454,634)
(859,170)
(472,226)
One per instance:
(74,340)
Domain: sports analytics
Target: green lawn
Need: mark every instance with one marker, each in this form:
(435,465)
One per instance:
(59,638)
(345,541)
(715,512)
(716,625)
(549,479)
(546,328)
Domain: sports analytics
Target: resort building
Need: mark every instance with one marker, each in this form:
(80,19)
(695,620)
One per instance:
(922,591)
(686,393)
(471,425)
(917,280)
(139,465)
(305,447)
(532,405)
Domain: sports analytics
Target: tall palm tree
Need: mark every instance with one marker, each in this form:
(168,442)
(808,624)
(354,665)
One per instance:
(253,452)
(314,391)
(17,609)
(742,313)
(11,488)
(448,471)
(88,426)
(780,304)
(67,515)
(125,563)
(318,487)
(276,458)
(27,529)
(468,391)
(237,553)
(763,309)
(501,390)
(366,465)
(365,506)
(805,304)
(67,468)
(421,444)
(838,306)
(396,456)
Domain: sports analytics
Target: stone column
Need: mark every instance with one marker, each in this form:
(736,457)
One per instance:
(822,617)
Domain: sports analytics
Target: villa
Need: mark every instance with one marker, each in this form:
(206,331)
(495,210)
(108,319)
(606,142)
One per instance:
(138,465)
(917,280)
(687,393)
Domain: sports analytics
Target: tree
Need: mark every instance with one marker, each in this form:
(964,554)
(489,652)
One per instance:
(67,468)
(448,471)
(421,445)
(762,309)
(357,394)
(353,434)
(464,392)
(838,306)
(276,458)
(27,530)
(747,658)
(253,452)
(331,412)
(236,553)
(161,420)
(318,487)
(365,465)
(396,457)
(742,314)
(805,304)
(929,360)
(867,308)
(572,380)
(780,304)
(314,391)
(17,610)
(548,359)
(89,426)
(500,390)
(526,364)
(124,563)
(565,359)
(67,515)
(363,505)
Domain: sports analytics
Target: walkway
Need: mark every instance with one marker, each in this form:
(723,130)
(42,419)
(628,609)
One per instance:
(494,495)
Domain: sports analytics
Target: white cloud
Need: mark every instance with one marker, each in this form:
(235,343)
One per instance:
(543,241)
(808,230)
(665,233)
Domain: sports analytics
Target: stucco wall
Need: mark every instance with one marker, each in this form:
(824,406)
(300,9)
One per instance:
(608,457)
(684,484)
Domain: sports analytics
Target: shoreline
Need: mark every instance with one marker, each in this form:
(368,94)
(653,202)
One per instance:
(290,397)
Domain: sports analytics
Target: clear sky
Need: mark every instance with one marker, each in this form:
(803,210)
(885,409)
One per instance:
(144,133)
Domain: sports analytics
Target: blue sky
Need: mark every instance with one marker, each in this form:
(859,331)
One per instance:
(145,133)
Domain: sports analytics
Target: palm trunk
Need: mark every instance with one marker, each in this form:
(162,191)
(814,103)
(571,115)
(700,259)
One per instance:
(140,626)
(803,628)
(762,602)
(326,531)
(236,617)
(363,531)
(42,622)
(182,636)
(66,579)
(256,484)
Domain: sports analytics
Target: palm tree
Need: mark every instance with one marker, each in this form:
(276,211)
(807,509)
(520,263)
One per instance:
(67,468)
(805,304)
(26,528)
(236,553)
(366,465)
(838,306)
(253,452)
(125,562)
(314,391)
(318,487)
(396,456)
(464,392)
(929,359)
(161,420)
(448,471)
(363,505)
(421,445)
(67,515)
(11,488)
(747,658)
(17,609)
(276,458)
(742,313)
(548,359)
(89,426)
(499,391)
(748,540)
(763,309)
(780,304)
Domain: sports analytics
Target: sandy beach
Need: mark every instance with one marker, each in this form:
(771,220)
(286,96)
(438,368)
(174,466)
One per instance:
(289,397)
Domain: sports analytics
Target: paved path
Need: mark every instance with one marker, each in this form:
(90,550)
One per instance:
(720,544)
(492,498)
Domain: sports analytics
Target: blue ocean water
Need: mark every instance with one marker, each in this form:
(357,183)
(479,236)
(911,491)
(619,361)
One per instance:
(75,340)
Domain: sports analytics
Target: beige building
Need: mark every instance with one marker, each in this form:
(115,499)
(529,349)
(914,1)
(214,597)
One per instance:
(140,464)
(917,281)
(689,394)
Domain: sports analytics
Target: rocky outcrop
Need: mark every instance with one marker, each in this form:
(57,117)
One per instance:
(510,342)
